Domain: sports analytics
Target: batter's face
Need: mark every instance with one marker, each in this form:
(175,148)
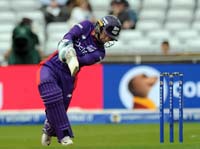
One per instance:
(104,37)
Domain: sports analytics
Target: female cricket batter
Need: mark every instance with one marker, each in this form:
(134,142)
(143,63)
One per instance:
(83,45)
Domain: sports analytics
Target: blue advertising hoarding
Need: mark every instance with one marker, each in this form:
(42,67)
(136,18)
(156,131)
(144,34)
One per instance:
(128,86)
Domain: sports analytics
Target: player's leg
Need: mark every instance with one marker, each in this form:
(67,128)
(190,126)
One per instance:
(52,96)
(67,93)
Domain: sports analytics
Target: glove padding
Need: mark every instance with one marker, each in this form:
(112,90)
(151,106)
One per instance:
(72,62)
(67,54)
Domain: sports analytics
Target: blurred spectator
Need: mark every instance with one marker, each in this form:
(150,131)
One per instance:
(128,17)
(165,47)
(82,11)
(25,45)
(52,12)
(66,10)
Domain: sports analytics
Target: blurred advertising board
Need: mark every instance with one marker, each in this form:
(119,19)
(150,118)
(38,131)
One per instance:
(18,89)
(107,86)
(129,86)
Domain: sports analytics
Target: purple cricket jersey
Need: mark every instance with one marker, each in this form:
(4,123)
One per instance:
(56,83)
(88,49)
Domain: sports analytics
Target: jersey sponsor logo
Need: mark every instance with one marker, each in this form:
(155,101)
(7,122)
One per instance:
(84,50)
(91,48)
(81,48)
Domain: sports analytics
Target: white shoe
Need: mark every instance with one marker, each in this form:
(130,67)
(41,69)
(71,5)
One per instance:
(45,140)
(66,141)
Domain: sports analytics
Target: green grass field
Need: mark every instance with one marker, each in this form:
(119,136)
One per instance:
(116,136)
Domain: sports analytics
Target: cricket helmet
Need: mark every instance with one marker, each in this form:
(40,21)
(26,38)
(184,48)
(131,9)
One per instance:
(111,25)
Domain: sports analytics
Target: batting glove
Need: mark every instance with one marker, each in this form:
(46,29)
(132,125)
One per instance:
(67,54)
